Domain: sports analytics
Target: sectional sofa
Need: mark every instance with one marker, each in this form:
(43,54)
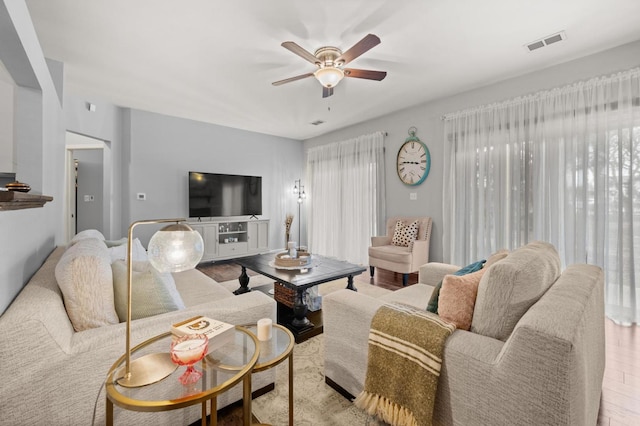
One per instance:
(53,375)
(534,354)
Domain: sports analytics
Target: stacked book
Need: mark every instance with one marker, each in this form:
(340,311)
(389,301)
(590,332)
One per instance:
(219,333)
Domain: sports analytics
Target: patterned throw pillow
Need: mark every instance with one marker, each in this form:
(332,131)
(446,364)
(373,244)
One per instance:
(405,235)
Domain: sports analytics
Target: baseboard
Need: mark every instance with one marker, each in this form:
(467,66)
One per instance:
(338,388)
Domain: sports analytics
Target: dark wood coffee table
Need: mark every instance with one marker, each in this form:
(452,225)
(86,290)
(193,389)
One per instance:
(322,270)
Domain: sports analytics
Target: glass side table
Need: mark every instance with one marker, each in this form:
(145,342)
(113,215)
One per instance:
(221,369)
(272,353)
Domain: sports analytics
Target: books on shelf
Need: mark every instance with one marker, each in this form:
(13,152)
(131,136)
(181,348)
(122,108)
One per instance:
(219,333)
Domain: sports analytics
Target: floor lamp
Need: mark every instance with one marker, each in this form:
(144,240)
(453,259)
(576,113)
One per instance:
(174,248)
(298,189)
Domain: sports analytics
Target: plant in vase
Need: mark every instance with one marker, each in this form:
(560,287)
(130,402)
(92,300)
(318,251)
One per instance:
(287,229)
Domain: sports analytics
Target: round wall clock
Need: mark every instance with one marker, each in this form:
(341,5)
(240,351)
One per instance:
(413,161)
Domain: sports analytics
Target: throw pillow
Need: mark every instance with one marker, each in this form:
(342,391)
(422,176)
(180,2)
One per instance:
(432,306)
(84,276)
(87,233)
(152,292)
(404,235)
(458,298)
(120,252)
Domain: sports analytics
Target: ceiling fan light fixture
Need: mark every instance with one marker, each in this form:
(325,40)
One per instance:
(329,76)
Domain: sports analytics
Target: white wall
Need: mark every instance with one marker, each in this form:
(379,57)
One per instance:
(428,119)
(28,236)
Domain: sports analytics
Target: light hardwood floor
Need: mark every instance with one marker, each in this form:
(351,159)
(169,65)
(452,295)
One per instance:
(620,402)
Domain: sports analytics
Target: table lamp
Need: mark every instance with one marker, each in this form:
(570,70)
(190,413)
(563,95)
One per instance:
(174,248)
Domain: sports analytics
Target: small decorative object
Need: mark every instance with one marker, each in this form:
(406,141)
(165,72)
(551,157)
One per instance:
(284,260)
(293,253)
(18,186)
(414,160)
(188,350)
(287,228)
(264,329)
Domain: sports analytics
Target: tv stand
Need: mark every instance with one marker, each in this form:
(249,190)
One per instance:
(228,238)
(253,216)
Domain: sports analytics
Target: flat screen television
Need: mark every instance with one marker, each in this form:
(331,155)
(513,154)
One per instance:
(218,195)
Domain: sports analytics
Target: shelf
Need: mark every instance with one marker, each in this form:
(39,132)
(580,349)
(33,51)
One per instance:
(232,232)
(14,200)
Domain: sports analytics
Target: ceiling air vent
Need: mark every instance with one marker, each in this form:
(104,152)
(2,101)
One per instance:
(317,122)
(550,39)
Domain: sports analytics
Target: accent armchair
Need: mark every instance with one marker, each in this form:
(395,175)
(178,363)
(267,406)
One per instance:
(405,260)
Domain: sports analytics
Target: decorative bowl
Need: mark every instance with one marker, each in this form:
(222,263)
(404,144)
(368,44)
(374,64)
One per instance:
(18,186)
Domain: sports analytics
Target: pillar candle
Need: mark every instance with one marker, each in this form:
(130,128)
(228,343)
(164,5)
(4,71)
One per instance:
(264,329)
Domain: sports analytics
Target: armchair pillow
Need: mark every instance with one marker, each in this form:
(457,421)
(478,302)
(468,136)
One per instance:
(404,235)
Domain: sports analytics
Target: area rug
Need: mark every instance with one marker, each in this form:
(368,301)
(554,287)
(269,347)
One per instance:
(314,402)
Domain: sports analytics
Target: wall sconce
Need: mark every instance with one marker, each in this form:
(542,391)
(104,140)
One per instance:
(174,248)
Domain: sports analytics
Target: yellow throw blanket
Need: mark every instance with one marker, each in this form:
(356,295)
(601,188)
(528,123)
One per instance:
(405,355)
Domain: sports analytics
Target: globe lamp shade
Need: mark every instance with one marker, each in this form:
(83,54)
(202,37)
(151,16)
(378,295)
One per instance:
(175,248)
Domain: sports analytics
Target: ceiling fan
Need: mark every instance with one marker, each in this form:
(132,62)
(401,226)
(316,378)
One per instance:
(331,61)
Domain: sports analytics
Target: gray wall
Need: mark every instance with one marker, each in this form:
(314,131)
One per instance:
(90,177)
(28,236)
(161,150)
(105,124)
(428,119)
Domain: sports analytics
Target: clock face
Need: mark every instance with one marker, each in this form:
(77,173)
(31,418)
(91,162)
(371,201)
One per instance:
(413,163)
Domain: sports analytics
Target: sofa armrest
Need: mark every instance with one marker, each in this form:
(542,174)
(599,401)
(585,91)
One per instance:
(554,356)
(347,318)
(433,272)
(380,241)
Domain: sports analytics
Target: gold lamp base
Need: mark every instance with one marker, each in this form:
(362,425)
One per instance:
(146,370)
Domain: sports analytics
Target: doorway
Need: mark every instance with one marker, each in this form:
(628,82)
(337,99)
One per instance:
(88,206)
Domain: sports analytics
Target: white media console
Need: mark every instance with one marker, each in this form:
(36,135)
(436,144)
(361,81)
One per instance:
(228,238)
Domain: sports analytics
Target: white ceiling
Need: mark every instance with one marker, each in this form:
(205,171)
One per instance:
(214,60)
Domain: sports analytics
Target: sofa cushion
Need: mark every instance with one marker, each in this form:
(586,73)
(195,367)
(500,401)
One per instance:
(404,235)
(391,253)
(458,298)
(510,287)
(152,292)
(85,280)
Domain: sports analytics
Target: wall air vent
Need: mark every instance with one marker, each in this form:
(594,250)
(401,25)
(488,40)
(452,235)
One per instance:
(317,122)
(550,39)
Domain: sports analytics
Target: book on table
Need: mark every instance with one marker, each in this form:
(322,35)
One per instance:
(219,333)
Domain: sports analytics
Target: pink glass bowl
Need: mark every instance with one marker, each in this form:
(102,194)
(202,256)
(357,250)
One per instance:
(188,350)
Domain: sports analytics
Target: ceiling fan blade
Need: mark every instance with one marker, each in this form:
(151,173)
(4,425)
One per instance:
(368,74)
(327,91)
(295,48)
(368,42)
(290,79)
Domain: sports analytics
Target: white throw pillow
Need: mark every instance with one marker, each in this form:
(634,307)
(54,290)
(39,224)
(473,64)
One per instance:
(86,282)
(120,252)
(152,292)
(87,233)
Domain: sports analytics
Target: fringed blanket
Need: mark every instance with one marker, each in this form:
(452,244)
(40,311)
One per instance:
(405,354)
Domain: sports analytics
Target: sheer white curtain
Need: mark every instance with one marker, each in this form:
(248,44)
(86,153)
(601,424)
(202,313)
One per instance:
(561,166)
(346,197)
